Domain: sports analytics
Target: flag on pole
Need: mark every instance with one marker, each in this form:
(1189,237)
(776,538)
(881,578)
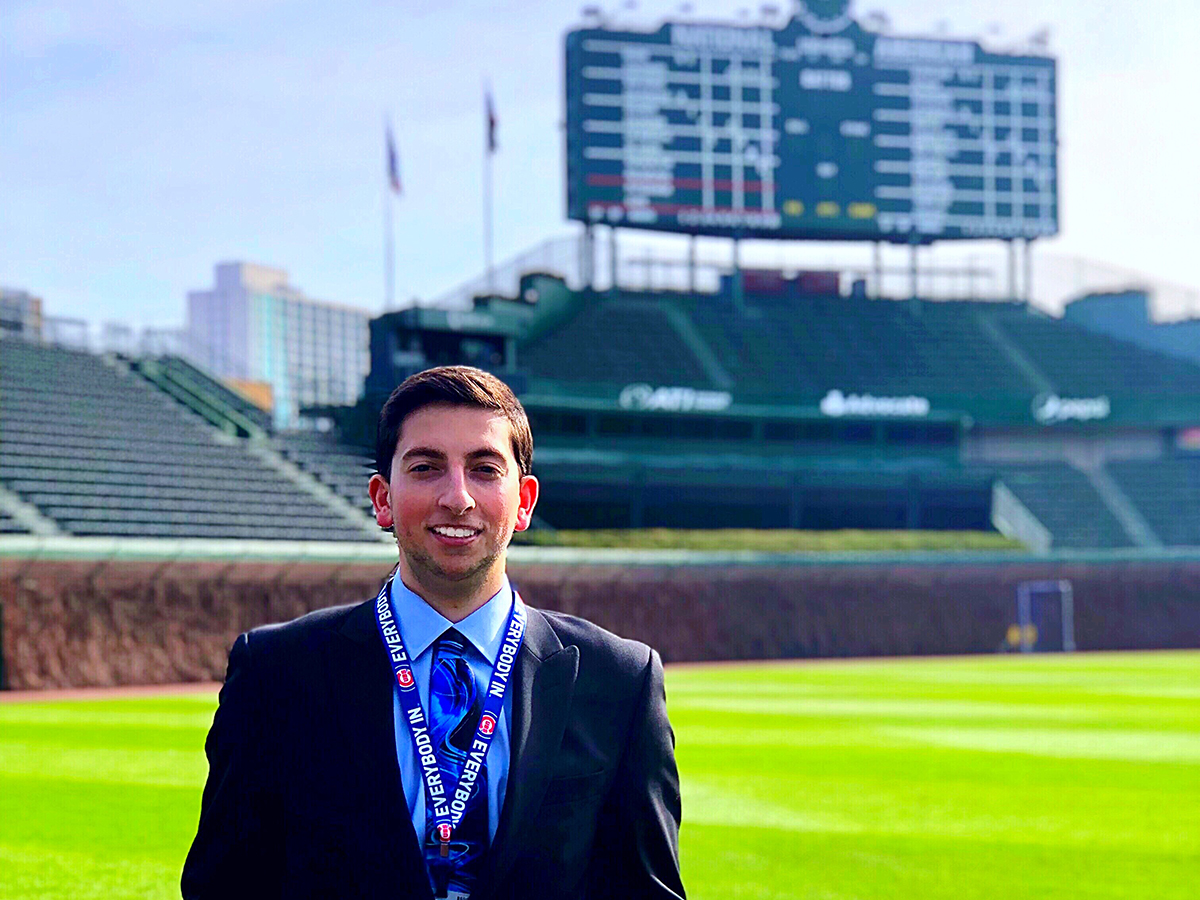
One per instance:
(491,120)
(393,162)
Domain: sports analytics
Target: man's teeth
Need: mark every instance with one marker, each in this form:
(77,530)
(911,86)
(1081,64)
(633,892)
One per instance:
(455,532)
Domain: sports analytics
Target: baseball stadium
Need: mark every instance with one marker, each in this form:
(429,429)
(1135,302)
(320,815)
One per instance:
(923,566)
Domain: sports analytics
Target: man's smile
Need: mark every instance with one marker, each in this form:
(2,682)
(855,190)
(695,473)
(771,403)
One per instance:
(455,535)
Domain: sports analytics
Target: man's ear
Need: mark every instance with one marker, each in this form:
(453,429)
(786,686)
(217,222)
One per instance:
(381,500)
(529,495)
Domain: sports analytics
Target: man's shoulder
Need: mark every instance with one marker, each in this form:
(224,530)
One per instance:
(305,631)
(602,654)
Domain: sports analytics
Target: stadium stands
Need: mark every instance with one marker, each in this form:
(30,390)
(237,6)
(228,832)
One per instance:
(1083,363)
(777,350)
(8,525)
(102,452)
(1065,502)
(980,366)
(1167,493)
(203,383)
(342,468)
(620,341)
(818,343)
(770,453)
(780,444)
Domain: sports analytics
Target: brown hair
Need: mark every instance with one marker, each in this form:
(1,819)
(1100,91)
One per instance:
(455,386)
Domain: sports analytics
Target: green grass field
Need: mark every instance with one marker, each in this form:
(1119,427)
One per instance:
(774,540)
(999,777)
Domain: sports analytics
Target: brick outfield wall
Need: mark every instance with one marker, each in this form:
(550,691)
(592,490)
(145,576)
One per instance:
(72,625)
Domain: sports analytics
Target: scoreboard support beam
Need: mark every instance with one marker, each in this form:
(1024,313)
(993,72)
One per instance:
(1028,276)
(878,260)
(691,264)
(913,272)
(738,300)
(587,258)
(612,259)
(1012,270)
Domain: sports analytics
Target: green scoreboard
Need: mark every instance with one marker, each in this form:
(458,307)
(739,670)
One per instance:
(818,130)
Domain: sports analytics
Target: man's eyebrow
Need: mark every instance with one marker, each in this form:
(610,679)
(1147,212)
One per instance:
(432,453)
(423,451)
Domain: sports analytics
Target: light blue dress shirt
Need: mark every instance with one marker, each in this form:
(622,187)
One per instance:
(420,627)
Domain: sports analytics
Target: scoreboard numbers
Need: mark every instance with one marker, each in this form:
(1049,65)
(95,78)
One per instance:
(795,133)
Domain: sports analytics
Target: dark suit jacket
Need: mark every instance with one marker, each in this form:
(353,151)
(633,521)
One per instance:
(304,797)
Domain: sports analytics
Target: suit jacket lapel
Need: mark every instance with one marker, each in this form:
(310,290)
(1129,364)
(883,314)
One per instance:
(391,852)
(543,684)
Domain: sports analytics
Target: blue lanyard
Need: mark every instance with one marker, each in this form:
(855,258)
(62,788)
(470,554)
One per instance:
(447,803)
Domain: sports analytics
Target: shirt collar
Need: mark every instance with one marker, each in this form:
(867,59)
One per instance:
(421,624)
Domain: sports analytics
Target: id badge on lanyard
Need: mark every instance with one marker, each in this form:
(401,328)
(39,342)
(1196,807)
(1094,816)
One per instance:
(446,803)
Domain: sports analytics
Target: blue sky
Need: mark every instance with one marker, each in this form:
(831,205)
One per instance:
(140,143)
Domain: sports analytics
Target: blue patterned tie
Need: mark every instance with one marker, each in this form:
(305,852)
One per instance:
(455,702)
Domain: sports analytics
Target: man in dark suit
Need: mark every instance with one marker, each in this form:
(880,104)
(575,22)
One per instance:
(356,751)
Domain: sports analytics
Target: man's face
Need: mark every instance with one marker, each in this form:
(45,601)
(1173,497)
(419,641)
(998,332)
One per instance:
(455,497)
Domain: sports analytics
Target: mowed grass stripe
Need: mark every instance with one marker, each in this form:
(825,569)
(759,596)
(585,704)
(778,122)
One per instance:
(998,768)
(1064,776)
(782,865)
(110,765)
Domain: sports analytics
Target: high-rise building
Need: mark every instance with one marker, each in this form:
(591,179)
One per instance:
(20,314)
(254,326)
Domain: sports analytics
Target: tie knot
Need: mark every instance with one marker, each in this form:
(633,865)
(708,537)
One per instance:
(451,643)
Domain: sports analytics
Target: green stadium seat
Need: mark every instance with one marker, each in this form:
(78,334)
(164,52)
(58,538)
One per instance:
(102,452)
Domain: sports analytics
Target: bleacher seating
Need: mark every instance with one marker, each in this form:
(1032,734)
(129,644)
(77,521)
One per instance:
(819,343)
(989,357)
(618,341)
(1066,503)
(1167,493)
(102,452)
(159,447)
(182,369)
(342,468)
(1085,364)
(8,525)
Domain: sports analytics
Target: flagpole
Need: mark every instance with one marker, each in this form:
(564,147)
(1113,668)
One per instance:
(487,218)
(392,186)
(389,253)
(489,147)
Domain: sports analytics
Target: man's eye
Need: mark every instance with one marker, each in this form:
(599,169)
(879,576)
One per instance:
(421,468)
(488,470)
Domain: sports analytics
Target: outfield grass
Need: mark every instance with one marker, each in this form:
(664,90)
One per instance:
(1004,777)
(775,540)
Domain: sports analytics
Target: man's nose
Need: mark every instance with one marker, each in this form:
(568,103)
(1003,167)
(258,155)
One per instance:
(456,497)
